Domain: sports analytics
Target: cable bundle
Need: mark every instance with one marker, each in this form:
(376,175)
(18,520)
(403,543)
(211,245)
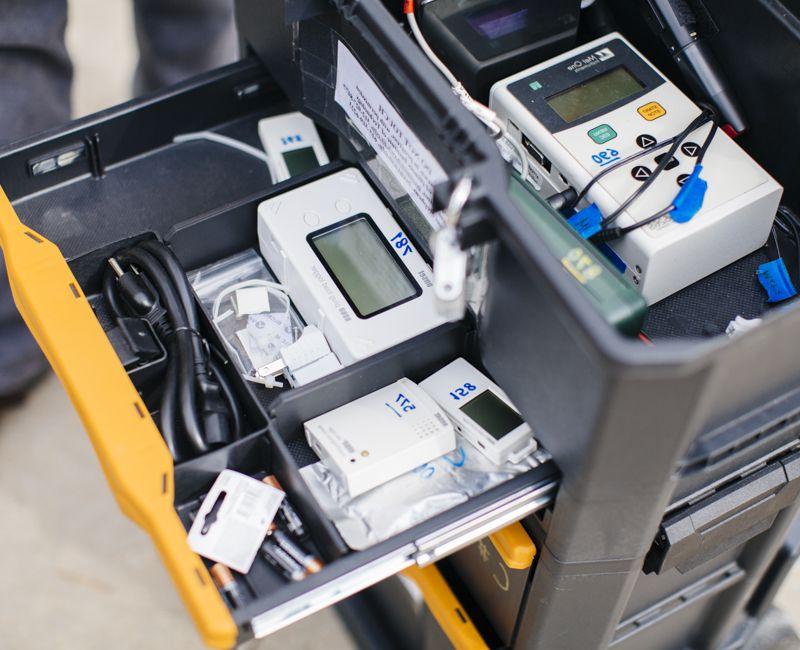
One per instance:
(198,407)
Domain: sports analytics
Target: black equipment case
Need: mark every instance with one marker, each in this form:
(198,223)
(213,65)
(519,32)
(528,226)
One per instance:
(676,466)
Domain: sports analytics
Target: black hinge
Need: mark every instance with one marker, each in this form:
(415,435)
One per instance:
(727,518)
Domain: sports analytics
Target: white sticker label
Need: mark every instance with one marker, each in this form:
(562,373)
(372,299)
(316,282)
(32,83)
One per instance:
(397,146)
(251,300)
(233,520)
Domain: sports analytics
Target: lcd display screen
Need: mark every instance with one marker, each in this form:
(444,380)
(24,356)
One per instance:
(497,22)
(300,160)
(364,267)
(595,94)
(492,414)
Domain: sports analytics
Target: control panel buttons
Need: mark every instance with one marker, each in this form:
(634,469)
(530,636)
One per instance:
(672,164)
(602,134)
(645,141)
(651,111)
(683,178)
(641,173)
(691,149)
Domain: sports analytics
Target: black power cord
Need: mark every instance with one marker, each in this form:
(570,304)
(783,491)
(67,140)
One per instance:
(788,222)
(198,406)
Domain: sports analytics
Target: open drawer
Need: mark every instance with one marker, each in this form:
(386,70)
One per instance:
(127,181)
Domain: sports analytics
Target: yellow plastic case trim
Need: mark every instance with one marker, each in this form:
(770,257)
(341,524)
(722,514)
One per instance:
(446,609)
(132,453)
(514,546)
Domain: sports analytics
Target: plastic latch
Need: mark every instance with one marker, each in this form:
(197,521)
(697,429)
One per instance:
(514,546)
(588,222)
(774,277)
(450,264)
(690,198)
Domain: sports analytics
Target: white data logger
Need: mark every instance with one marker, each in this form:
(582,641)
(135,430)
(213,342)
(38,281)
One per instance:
(482,412)
(380,436)
(292,144)
(588,109)
(348,265)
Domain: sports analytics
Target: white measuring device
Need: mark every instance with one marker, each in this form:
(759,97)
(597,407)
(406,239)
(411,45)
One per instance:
(348,266)
(380,436)
(292,144)
(593,106)
(482,412)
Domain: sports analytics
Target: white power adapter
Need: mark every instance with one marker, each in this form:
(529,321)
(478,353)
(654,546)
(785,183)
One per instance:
(305,360)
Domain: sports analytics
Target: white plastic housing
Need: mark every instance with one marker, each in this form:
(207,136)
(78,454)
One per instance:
(664,256)
(380,436)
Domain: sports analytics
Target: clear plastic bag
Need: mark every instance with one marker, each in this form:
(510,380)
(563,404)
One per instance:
(253,336)
(411,498)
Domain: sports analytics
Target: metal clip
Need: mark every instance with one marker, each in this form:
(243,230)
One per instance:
(449,260)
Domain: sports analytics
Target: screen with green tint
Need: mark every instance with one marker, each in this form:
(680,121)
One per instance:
(300,160)
(596,93)
(364,267)
(492,414)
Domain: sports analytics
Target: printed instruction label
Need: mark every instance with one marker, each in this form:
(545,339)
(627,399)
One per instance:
(233,520)
(397,146)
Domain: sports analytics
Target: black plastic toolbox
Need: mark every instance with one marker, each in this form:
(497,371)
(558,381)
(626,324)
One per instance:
(634,429)
(202,200)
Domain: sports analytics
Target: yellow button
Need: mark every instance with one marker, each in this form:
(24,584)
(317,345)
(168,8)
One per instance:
(652,111)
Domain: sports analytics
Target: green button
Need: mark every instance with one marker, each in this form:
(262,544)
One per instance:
(535,85)
(602,134)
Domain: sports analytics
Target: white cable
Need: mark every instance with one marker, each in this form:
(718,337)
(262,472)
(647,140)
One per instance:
(274,289)
(478,109)
(412,22)
(229,142)
(523,156)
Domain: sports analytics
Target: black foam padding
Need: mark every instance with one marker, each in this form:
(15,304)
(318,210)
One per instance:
(706,307)
(150,193)
(301,452)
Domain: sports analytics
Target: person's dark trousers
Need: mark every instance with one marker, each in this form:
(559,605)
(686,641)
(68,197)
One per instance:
(177,38)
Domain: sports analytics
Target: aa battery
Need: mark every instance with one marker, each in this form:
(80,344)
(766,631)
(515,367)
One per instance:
(309,563)
(223,578)
(286,513)
(288,567)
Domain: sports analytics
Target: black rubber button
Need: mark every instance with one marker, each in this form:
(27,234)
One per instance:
(645,141)
(641,173)
(672,164)
(691,149)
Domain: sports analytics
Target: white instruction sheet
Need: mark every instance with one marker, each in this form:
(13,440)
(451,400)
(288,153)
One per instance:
(397,146)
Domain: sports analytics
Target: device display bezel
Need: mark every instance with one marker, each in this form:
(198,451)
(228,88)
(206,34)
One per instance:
(568,73)
(382,238)
(484,48)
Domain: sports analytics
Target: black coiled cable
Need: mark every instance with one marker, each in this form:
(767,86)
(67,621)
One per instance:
(198,406)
